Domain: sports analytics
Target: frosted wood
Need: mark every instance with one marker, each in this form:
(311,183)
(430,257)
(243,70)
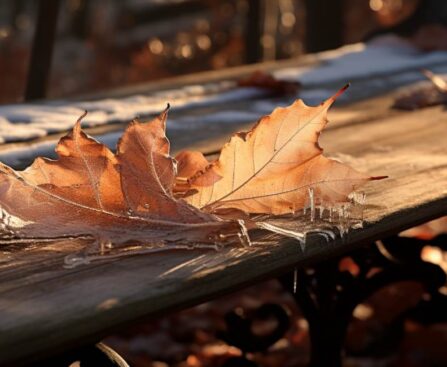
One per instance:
(44,307)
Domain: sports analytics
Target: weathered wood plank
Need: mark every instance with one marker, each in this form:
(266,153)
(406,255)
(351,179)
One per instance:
(44,307)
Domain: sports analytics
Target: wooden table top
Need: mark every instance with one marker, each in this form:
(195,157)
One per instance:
(45,308)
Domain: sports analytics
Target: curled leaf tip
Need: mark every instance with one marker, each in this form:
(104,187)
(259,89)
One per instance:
(340,92)
(78,121)
(332,99)
(164,114)
(166,110)
(375,178)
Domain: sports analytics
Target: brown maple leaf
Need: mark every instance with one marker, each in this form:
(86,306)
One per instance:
(119,197)
(260,79)
(273,167)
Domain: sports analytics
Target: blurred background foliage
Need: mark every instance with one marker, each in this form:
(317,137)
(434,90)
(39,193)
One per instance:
(102,44)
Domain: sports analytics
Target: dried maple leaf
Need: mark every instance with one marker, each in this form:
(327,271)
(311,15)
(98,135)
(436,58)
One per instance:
(272,168)
(89,190)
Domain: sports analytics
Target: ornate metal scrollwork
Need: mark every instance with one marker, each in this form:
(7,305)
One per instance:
(328,295)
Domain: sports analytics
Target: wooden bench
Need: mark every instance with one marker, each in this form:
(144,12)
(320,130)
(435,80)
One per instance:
(46,309)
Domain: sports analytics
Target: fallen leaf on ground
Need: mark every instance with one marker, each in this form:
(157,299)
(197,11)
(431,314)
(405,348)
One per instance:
(260,79)
(433,95)
(121,197)
(273,168)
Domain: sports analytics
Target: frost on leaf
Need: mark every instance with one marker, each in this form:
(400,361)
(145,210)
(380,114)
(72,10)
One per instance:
(272,168)
(118,198)
(127,198)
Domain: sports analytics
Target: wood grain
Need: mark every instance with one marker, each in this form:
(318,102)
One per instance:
(45,308)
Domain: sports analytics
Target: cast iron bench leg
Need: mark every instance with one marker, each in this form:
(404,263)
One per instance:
(328,295)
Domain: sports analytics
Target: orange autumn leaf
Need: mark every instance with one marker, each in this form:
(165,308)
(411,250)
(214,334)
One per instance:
(271,168)
(119,197)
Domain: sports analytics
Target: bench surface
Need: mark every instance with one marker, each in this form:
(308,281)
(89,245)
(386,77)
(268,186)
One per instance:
(45,308)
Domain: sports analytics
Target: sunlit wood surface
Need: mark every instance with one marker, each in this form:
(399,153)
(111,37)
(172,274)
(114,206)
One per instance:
(45,308)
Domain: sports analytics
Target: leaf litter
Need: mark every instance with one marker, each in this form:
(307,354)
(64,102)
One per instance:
(424,96)
(272,178)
